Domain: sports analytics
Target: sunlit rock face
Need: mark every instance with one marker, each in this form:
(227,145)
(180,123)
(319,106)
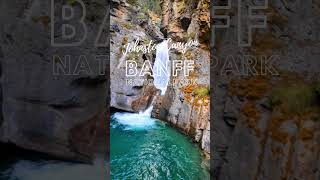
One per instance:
(186,105)
(128,24)
(53,114)
(184,108)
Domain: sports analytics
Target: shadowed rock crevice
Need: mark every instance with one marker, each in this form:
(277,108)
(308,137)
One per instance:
(82,143)
(89,81)
(1,93)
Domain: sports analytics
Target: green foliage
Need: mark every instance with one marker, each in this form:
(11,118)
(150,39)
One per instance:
(201,91)
(151,5)
(133,2)
(297,98)
(124,40)
(142,16)
(192,35)
(180,6)
(127,25)
(206,37)
(188,55)
(123,43)
(317,88)
(146,5)
(71,2)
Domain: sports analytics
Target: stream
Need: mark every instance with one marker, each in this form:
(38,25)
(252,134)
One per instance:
(31,166)
(142,147)
(146,148)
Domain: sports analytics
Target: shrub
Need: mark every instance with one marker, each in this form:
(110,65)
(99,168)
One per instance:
(133,2)
(71,2)
(201,91)
(317,88)
(147,5)
(297,98)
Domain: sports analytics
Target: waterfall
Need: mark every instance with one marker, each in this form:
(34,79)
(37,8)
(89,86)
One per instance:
(147,112)
(134,121)
(161,68)
(161,75)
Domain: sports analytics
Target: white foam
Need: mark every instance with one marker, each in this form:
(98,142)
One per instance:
(147,112)
(141,120)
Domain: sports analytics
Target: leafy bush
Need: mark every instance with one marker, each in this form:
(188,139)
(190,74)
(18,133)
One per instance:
(71,2)
(296,98)
(317,88)
(147,5)
(133,2)
(201,91)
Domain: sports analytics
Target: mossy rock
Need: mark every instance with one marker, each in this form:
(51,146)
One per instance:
(192,35)
(125,40)
(142,16)
(201,91)
(253,88)
(296,99)
(127,25)
(274,17)
(188,55)
(180,6)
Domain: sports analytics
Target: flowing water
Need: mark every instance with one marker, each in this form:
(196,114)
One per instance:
(146,148)
(30,166)
(161,68)
(142,147)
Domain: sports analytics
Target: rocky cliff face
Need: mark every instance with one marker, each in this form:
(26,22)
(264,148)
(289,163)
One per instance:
(184,106)
(186,102)
(128,24)
(54,114)
(266,126)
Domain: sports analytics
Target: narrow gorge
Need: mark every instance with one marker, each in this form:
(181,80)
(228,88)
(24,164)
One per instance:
(161,129)
(184,105)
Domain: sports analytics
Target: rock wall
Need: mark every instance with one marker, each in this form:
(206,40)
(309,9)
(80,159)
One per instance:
(266,124)
(54,114)
(187,100)
(182,106)
(127,24)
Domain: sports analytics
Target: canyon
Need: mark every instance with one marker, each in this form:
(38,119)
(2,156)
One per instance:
(173,99)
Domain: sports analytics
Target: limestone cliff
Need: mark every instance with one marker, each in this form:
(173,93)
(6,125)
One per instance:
(128,24)
(56,114)
(184,106)
(266,123)
(186,102)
